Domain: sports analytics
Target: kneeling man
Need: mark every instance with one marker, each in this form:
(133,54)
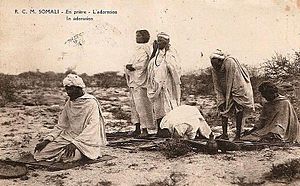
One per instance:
(278,120)
(185,122)
(80,130)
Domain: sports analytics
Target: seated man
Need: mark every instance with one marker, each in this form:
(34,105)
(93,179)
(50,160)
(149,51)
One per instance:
(278,120)
(80,129)
(184,122)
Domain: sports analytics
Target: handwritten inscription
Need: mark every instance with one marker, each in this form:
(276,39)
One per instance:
(76,39)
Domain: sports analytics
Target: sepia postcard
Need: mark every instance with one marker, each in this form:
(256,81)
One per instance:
(143,92)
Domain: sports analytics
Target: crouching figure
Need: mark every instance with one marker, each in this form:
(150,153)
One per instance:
(185,122)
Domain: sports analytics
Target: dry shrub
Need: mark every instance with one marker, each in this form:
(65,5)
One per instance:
(7,89)
(104,183)
(118,113)
(285,171)
(174,148)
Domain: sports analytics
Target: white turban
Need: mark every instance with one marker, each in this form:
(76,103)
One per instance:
(163,35)
(73,80)
(219,54)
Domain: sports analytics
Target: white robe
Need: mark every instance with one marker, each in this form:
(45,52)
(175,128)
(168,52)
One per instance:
(80,123)
(164,82)
(141,107)
(186,120)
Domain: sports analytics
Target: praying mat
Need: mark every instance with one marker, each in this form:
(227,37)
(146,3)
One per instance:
(10,169)
(226,145)
(117,135)
(134,144)
(57,166)
(252,146)
(124,135)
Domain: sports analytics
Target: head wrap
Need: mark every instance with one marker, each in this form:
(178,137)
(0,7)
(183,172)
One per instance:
(73,80)
(268,86)
(218,54)
(163,35)
(145,34)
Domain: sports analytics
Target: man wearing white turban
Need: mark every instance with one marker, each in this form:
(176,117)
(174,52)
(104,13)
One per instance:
(80,130)
(164,79)
(233,89)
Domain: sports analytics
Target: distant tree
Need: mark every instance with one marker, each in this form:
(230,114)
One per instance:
(281,66)
(7,89)
(109,79)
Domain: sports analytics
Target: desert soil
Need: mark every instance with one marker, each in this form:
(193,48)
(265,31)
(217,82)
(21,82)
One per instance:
(35,113)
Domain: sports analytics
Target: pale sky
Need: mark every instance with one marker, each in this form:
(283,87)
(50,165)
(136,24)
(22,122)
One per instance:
(252,30)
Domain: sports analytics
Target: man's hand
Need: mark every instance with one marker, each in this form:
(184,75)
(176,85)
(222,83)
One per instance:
(70,150)
(129,67)
(155,47)
(41,146)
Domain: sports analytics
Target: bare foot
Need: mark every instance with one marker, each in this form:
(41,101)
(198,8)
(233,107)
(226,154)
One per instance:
(237,138)
(144,134)
(135,133)
(223,136)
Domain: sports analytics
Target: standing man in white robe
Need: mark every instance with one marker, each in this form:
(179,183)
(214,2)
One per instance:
(80,130)
(164,79)
(136,75)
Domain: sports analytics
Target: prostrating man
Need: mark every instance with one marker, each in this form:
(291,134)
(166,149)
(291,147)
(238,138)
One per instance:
(234,91)
(185,122)
(164,78)
(80,130)
(278,120)
(136,74)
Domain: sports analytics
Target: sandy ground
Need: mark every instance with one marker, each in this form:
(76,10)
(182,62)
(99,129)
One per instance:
(22,126)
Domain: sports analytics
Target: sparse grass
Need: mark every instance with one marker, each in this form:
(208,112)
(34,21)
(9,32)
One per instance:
(118,113)
(288,171)
(104,183)
(241,181)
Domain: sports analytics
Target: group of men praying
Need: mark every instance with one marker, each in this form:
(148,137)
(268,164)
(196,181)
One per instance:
(153,77)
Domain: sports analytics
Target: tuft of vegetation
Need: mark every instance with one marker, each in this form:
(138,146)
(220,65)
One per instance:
(288,171)
(198,84)
(174,148)
(282,66)
(7,89)
(118,113)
